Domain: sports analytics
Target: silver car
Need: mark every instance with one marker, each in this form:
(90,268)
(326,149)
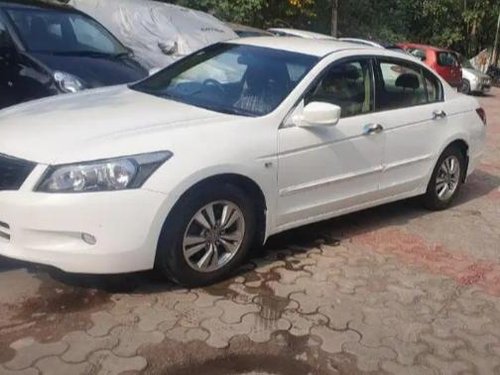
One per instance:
(474,81)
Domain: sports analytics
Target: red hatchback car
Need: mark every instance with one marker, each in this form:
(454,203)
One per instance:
(443,61)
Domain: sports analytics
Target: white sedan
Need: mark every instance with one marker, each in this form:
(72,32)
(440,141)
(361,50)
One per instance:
(188,169)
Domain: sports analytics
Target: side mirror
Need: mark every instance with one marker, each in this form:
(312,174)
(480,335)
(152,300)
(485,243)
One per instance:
(168,48)
(320,114)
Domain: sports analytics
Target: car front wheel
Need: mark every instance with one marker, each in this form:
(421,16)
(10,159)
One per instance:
(208,234)
(446,180)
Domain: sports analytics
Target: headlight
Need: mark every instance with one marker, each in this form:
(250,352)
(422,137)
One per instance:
(68,83)
(128,172)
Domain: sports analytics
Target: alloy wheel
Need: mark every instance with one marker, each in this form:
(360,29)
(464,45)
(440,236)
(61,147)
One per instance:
(213,236)
(448,178)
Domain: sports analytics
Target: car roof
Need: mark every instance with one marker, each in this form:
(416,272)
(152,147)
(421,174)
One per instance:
(320,47)
(301,33)
(424,46)
(35,4)
(362,41)
(236,27)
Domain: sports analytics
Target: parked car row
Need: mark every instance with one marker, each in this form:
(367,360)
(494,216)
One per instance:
(48,49)
(453,67)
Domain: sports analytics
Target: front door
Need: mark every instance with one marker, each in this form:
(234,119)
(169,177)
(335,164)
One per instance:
(325,170)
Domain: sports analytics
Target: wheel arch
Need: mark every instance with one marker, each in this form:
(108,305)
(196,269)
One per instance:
(463,146)
(246,184)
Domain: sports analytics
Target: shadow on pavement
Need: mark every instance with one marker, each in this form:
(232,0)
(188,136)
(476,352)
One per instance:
(398,213)
(7,264)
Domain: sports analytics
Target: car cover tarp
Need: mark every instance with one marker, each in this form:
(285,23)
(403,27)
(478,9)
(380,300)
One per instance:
(157,32)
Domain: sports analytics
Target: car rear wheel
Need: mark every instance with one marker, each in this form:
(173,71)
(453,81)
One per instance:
(208,234)
(446,180)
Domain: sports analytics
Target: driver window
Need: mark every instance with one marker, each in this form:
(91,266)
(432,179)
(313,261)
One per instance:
(348,85)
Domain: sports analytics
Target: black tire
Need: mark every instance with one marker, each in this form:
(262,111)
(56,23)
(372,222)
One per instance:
(170,258)
(465,88)
(431,200)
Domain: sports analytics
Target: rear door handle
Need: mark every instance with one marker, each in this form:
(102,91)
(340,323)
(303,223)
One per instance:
(373,129)
(438,114)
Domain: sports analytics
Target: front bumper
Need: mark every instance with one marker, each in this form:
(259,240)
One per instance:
(47,229)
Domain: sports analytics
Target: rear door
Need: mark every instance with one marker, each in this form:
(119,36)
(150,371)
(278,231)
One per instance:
(410,108)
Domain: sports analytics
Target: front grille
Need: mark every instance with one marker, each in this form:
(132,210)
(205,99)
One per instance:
(13,172)
(4,231)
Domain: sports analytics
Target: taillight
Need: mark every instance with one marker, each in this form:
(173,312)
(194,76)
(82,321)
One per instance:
(482,114)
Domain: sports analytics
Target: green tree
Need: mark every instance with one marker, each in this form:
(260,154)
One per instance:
(467,26)
(243,11)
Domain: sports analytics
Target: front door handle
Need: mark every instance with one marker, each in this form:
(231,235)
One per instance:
(373,129)
(438,114)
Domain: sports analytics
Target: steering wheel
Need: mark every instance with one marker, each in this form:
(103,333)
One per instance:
(214,83)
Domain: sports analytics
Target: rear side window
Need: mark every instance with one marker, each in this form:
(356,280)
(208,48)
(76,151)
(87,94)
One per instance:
(447,59)
(401,85)
(5,41)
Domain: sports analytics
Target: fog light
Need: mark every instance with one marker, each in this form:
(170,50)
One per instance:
(88,238)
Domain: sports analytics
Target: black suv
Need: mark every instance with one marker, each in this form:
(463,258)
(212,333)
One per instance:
(48,49)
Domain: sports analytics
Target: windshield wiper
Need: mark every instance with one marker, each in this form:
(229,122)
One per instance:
(122,54)
(92,54)
(79,53)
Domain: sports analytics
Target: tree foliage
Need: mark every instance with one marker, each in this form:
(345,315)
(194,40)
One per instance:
(464,25)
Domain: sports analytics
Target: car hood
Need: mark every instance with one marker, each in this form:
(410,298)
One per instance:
(473,72)
(95,71)
(96,124)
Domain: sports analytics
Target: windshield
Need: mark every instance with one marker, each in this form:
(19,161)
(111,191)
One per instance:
(62,32)
(231,78)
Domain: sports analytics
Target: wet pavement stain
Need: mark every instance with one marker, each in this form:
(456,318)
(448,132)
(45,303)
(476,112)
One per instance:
(284,354)
(55,298)
(272,306)
(55,310)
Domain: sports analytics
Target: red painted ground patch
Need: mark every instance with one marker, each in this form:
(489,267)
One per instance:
(413,249)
